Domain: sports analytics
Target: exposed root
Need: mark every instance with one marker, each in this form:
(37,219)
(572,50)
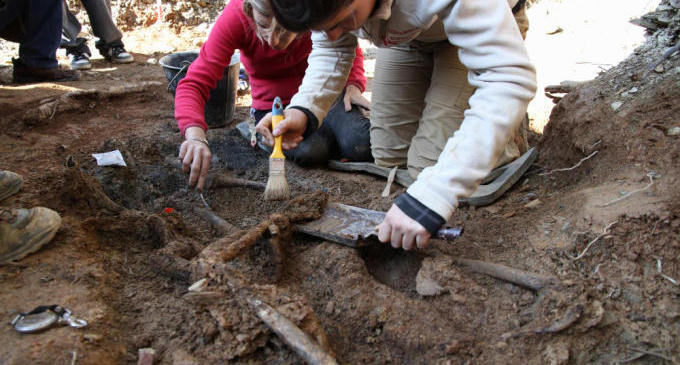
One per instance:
(226,181)
(70,101)
(293,336)
(651,182)
(570,168)
(570,317)
(523,278)
(302,208)
(604,233)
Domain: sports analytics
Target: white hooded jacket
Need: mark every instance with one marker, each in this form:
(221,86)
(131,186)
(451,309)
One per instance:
(489,45)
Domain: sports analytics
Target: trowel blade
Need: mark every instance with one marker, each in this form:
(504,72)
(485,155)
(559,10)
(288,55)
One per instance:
(345,224)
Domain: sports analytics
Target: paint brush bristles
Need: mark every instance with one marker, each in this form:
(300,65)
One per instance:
(277,185)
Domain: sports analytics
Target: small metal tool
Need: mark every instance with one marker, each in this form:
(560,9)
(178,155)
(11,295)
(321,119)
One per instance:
(44,317)
(205,203)
(251,128)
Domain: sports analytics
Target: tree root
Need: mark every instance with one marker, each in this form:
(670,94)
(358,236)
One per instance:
(291,334)
(523,278)
(302,208)
(70,101)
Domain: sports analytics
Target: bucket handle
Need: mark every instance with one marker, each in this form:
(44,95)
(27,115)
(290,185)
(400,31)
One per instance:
(184,67)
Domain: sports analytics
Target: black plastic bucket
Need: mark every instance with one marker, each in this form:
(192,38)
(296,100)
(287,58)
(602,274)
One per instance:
(219,110)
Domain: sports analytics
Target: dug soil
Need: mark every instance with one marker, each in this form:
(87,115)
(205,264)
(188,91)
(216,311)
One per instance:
(599,213)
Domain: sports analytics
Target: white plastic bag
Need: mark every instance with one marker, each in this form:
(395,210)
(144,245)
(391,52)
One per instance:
(112,158)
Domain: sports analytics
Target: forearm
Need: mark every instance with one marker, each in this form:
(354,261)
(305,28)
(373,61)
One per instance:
(326,76)
(491,47)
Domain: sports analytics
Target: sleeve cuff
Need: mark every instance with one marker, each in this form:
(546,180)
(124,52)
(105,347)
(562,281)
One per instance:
(312,121)
(184,128)
(357,84)
(420,213)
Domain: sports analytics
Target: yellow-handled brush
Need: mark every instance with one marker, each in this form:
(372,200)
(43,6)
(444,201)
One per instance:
(277,186)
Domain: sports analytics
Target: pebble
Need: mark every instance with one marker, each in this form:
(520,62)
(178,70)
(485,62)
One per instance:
(152,61)
(92,337)
(533,203)
(616,105)
(673,131)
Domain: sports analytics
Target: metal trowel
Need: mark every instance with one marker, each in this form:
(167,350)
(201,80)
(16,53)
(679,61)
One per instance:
(354,226)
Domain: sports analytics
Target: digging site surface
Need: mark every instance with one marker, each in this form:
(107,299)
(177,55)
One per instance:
(598,213)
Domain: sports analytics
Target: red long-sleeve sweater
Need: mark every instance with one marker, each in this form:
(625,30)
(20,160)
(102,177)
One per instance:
(271,73)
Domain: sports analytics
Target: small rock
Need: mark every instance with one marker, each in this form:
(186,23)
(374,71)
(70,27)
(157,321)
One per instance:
(658,69)
(557,354)
(152,61)
(427,287)
(616,105)
(198,286)
(181,357)
(241,337)
(633,90)
(492,209)
(533,204)
(565,226)
(92,337)
(453,347)
(146,356)
(330,307)
(673,131)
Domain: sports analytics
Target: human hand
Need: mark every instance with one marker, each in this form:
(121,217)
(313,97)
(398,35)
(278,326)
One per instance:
(402,231)
(290,128)
(354,96)
(195,155)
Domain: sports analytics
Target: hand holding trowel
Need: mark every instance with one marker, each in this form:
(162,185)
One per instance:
(353,226)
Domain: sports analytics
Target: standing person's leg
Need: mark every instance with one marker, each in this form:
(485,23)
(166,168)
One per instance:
(70,25)
(76,47)
(42,33)
(103,27)
(402,76)
(110,43)
(38,31)
(351,131)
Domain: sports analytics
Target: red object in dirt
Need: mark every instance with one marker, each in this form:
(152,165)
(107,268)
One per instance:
(168,210)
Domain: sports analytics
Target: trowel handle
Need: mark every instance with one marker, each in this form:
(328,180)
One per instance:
(449,233)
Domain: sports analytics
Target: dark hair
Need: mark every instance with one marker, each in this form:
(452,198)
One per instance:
(302,15)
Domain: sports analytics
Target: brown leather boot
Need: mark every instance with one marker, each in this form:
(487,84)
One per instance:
(24,231)
(25,74)
(10,183)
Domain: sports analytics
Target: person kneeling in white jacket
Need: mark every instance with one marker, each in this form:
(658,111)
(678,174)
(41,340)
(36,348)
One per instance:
(452,84)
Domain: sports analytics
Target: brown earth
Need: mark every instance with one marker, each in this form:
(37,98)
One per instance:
(608,229)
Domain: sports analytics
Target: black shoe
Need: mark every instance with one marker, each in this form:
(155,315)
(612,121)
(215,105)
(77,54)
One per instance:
(118,54)
(25,74)
(80,61)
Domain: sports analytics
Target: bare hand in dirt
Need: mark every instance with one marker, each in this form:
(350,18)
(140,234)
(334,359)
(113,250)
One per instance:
(195,156)
(291,128)
(354,96)
(402,231)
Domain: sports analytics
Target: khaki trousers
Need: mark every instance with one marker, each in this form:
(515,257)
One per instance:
(420,91)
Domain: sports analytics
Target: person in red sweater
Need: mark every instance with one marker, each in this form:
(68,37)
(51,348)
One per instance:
(275,60)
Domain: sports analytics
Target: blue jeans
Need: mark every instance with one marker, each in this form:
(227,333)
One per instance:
(36,26)
(343,135)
